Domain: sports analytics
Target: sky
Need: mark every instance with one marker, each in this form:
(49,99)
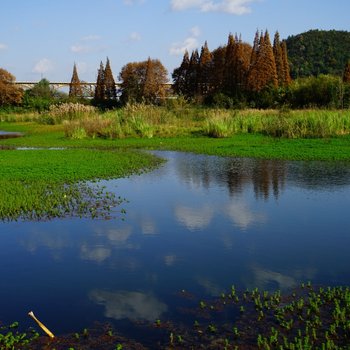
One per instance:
(44,38)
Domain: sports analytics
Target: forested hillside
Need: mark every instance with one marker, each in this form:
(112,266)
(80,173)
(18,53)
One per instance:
(318,52)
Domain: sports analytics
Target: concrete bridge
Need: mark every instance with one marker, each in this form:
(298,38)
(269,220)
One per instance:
(59,85)
(88,88)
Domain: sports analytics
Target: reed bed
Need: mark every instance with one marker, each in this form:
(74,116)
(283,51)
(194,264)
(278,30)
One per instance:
(293,125)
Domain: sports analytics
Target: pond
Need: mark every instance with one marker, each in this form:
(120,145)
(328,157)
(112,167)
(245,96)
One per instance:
(9,134)
(197,223)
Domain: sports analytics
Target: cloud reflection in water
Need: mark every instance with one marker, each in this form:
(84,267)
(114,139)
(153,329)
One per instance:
(131,305)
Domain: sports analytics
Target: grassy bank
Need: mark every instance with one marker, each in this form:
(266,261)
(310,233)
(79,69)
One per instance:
(48,183)
(239,145)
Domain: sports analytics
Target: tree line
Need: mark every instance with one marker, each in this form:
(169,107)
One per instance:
(233,75)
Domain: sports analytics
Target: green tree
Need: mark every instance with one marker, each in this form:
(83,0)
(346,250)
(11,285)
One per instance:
(192,75)
(100,89)
(346,74)
(179,76)
(75,89)
(277,52)
(109,83)
(10,94)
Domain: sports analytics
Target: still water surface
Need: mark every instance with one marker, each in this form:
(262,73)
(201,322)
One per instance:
(198,223)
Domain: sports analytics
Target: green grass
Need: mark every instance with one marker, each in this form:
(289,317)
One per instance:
(48,183)
(239,145)
(42,184)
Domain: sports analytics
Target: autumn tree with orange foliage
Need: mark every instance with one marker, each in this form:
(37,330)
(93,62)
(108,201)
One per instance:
(263,73)
(204,68)
(10,94)
(143,81)
(75,89)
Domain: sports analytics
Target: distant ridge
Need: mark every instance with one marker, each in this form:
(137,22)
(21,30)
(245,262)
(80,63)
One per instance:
(318,52)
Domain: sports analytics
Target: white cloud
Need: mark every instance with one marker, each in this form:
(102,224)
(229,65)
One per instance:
(189,44)
(133,2)
(92,37)
(80,48)
(235,7)
(3,47)
(134,36)
(43,66)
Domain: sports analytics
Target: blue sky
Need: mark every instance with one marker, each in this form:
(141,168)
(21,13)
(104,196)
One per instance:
(43,38)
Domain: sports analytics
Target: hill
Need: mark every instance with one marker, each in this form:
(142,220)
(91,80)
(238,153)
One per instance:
(318,52)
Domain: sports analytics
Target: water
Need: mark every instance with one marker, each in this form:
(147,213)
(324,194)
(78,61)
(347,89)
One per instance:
(197,223)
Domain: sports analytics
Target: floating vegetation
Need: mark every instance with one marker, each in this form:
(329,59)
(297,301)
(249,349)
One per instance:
(308,318)
(43,201)
(46,184)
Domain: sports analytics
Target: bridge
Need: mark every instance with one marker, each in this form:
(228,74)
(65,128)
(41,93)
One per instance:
(88,88)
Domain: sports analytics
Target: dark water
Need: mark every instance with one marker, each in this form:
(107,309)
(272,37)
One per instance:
(197,223)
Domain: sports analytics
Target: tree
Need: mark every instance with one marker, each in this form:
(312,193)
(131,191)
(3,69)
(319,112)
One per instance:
(262,73)
(192,75)
(143,81)
(75,89)
(155,78)
(179,75)
(109,83)
(218,69)
(286,78)
(346,74)
(10,94)
(204,67)
(229,69)
(277,52)
(100,85)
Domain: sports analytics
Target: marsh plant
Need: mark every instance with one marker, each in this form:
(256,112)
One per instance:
(70,111)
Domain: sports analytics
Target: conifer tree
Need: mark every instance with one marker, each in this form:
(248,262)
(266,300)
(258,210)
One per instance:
(255,49)
(179,75)
(346,74)
(110,92)
(218,69)
(205,62)
(229,71)
(75,89)
(286,79)
(192,74)
(241,66)
(100,85)
(277,52)
(263,72)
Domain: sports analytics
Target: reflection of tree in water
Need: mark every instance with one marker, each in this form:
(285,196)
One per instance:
(266,176)
(319,175)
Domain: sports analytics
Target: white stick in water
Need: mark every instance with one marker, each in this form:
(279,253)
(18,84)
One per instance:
(42,326)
